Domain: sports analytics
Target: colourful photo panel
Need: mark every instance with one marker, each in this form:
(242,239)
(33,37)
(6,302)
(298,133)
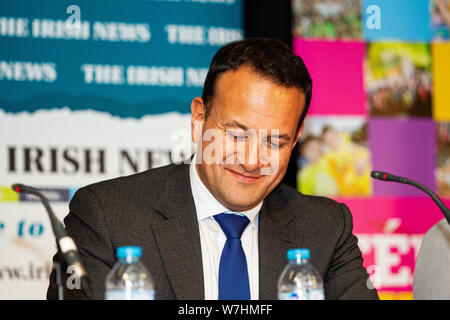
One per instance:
(402,20)
(336,70)
(389,232)
(398,79)
(333,157)
(324,19)
(403,147)
(443,159)
(440,19)
(441,81)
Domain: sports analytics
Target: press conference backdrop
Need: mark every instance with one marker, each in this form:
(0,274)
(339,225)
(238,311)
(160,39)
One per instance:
(381,100)
(91,90)
(94,90)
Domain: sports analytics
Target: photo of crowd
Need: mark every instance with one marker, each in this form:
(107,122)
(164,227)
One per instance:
(333,157)
(443,159)
(327,19)
(440,19)
(399,79)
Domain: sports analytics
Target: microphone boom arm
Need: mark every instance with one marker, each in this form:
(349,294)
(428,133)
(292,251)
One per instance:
(65,244)
(384,176)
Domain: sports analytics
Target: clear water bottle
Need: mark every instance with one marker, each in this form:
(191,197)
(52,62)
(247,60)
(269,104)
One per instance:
(129,279)
(299,279)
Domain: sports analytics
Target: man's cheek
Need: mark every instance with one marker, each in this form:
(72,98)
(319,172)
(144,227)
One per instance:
(230,152)
(213,147)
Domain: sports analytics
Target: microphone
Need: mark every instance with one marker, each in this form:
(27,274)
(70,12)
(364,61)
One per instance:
(66,245)
(384,176)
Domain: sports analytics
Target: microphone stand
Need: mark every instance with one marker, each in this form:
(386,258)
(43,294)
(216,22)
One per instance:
(384,176)
(67,250)
(57,267)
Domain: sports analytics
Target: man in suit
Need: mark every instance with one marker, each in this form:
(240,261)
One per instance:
(245,126)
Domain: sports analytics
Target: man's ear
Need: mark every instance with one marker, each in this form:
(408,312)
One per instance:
(198,116)
(298,134)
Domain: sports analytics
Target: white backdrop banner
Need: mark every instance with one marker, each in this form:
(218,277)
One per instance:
(89,92)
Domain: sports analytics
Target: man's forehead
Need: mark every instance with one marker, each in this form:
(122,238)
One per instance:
(244,83)
(243,76)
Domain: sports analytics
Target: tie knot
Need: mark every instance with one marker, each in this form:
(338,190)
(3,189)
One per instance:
(232,225)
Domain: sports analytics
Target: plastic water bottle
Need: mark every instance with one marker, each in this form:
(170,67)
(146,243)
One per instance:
(299,279)
(129,279)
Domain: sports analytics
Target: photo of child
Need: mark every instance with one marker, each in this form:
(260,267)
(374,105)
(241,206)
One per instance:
(333,157)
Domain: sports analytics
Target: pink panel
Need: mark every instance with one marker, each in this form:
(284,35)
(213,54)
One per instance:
(390,231)
(336,70)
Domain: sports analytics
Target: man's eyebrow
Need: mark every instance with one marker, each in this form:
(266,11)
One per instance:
(237,124)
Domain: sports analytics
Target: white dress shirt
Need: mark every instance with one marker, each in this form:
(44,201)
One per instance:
(213,239)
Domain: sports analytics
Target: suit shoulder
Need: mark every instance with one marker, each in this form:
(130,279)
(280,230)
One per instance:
(155,177)
(311,206)
(296,196)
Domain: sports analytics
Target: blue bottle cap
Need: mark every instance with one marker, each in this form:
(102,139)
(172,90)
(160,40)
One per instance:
(294,254)
(125,252)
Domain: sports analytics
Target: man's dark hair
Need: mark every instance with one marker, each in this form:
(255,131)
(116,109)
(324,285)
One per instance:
(269,58)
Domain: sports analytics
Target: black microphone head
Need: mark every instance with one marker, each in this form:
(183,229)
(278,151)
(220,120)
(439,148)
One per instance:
(376,174)
(22,188)
(384,176)
(16,187)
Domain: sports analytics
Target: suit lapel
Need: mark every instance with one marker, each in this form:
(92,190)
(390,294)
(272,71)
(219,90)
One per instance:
(178,236)
(275,236)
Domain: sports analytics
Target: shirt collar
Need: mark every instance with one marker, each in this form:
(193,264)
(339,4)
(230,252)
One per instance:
(206,205)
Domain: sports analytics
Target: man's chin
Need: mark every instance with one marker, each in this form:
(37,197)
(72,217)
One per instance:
(238,203)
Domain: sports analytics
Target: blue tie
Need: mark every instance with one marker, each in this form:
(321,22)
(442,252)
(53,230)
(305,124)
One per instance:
(233,273)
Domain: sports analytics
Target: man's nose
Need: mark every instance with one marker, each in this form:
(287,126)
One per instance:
(252,161)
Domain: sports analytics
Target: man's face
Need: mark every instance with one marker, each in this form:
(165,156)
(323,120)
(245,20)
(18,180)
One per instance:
(234,165)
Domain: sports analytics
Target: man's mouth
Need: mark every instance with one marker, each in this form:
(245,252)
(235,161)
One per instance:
(243,177)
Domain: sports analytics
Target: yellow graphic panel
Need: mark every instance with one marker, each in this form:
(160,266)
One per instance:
(441,81)
(7,194)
